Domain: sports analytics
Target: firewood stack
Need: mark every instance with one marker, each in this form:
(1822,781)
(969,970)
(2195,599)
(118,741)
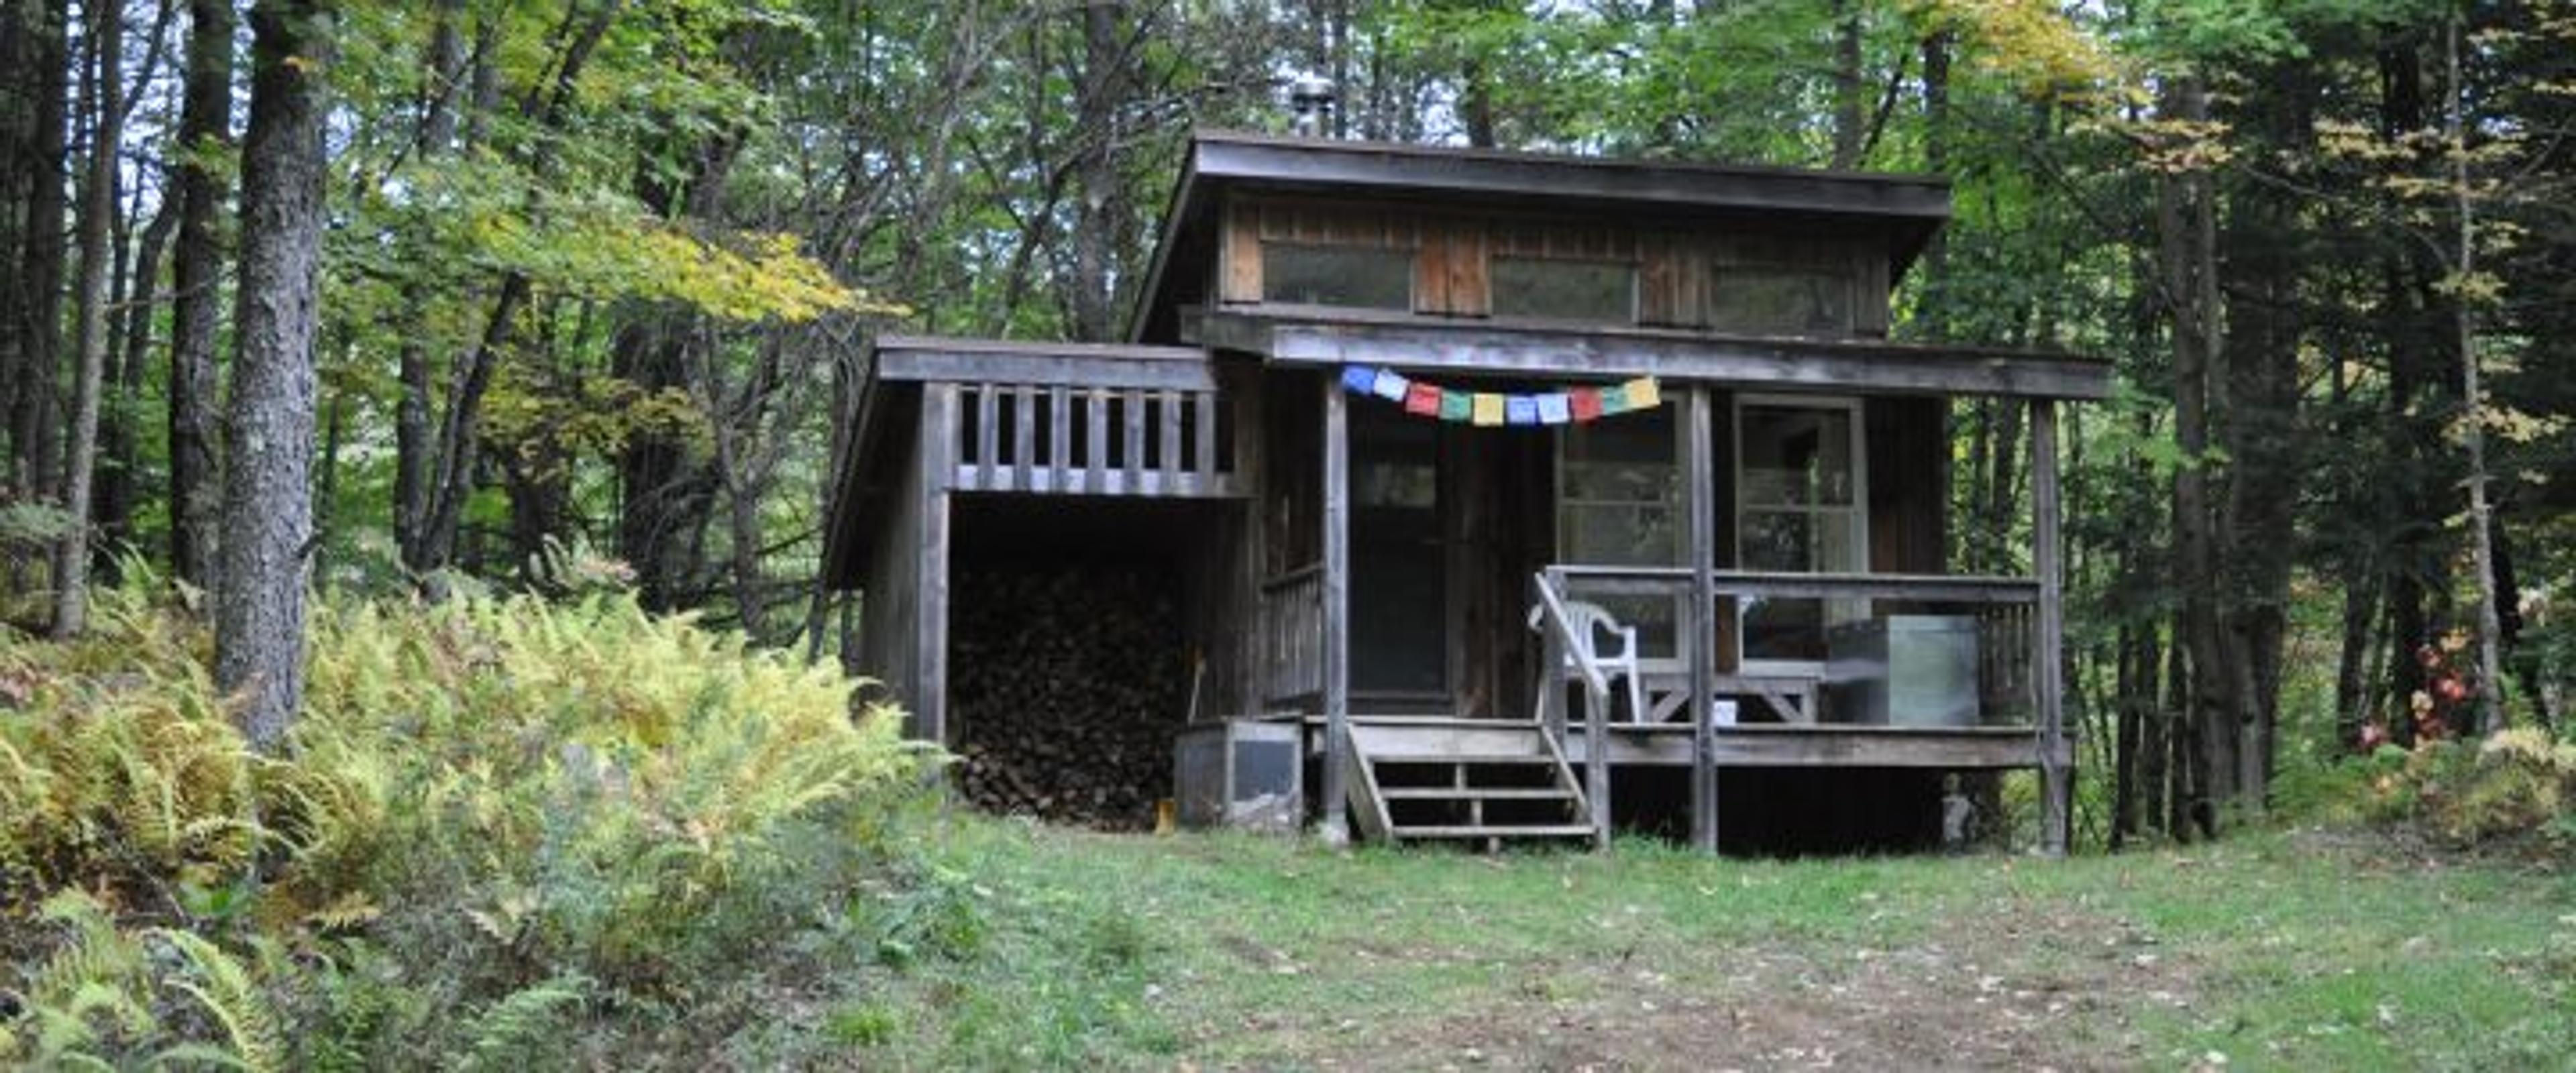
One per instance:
(1068,682)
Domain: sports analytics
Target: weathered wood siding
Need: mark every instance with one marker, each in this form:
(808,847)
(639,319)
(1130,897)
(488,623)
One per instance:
(1676,267)
(889,640)
(1909,483)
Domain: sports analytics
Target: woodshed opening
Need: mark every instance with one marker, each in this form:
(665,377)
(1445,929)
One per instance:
(1079,646)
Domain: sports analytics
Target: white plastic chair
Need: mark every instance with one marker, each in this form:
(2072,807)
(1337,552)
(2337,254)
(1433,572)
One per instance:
(1591,622)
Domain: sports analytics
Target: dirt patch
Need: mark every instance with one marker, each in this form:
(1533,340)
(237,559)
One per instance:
(2044,992)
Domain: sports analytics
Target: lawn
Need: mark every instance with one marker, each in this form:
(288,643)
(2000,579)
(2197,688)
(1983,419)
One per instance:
(2302,949)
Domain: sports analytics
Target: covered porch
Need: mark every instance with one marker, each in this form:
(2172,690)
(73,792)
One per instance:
(1787,596)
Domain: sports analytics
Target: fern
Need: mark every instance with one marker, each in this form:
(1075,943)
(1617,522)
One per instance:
(87,996)
(654,798)
(220,984)
(504,1033)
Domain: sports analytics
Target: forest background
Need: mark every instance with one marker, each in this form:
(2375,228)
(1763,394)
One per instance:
(592,277)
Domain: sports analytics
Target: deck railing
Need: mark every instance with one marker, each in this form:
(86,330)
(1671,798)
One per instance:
(1073,440)
(1292,636)
(2001,607)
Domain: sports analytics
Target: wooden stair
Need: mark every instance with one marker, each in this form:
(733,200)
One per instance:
(1454,779)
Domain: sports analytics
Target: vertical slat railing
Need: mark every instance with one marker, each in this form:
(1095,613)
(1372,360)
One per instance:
(1024,432)
(1093,441)
(1095,465)
(1167,461)
(1132,473)
(1059,459)
(988,406)
(1203,409)
(1292,611)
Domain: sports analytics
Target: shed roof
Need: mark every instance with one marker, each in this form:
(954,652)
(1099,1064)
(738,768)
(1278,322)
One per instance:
(1907,208)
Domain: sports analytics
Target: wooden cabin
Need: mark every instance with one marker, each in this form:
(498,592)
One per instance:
(1518,494)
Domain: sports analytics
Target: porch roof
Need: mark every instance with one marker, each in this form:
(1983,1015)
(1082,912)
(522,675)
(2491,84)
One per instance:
(1502,347)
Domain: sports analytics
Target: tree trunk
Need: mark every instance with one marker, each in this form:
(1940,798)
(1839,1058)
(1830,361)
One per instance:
(1848,107)
(1932,318)
(205,121)
(268,495)
(2185,223)
(2473,439)
(2416,566)
(34,413)
(2265,446)
(451,475)
(118,481)
(1104,195)
(413,446)
(105,86)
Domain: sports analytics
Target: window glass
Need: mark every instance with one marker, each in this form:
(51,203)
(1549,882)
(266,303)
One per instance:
(1798,495)
(1597,291)
(1779,300)
(1337,276)
(1619,504)
(1797,456)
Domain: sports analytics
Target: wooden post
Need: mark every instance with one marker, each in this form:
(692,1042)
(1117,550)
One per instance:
(1596,761)
(939,436)
(1700,631)
(1335,824)
(1251,475)
(2057,783)
(1551,671)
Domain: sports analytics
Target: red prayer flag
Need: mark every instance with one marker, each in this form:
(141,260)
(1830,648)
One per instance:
(1422,399)
(1587,403)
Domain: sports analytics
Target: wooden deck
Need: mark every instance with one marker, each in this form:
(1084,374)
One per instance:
(1819,745)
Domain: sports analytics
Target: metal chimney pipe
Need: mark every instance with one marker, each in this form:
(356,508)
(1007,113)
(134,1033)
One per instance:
(1311,99)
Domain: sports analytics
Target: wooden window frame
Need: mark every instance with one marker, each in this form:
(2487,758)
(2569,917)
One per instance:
(1857,408)
(1636,267)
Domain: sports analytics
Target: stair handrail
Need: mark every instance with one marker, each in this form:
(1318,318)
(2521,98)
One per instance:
(1596,704)
(1552,610)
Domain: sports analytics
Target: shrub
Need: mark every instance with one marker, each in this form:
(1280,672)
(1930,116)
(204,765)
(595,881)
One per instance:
(495,814)
(2518,785)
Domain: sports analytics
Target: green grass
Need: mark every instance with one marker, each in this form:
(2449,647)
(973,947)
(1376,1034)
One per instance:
(2295,950)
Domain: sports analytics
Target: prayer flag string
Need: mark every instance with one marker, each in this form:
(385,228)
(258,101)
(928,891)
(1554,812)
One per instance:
(1488,408)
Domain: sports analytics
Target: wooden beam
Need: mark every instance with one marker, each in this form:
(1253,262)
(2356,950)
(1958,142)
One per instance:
(1701,634)
(1044,370)
(1024,432)
(1131,407)
(1335,824)
(1095,460)
(1825,745)
(1945,588)
(940,412)
(1059,461)
(1314,336)
(2056,765)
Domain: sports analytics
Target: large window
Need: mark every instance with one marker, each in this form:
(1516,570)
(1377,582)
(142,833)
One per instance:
(1557,289)
(1361,276)
(1800,508)
(1619,503)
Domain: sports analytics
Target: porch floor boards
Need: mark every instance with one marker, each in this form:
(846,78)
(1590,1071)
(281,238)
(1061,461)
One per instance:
(1825,745)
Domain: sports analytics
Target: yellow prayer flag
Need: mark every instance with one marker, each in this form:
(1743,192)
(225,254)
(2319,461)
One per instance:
(1489,409)
(1643,394)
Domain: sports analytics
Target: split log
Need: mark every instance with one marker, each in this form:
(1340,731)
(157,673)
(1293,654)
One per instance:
(1068,683)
